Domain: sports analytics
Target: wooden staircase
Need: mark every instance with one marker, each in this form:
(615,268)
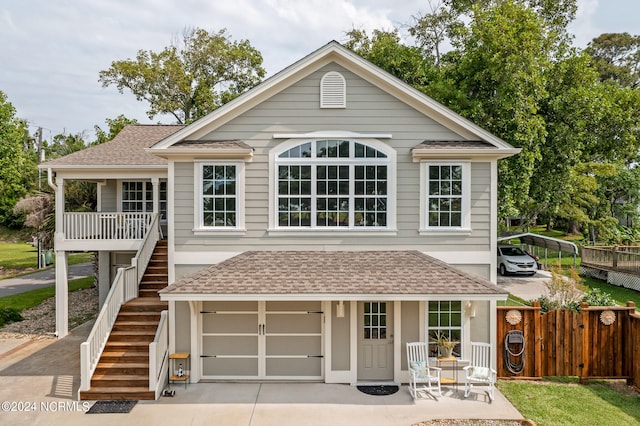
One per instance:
(123,369)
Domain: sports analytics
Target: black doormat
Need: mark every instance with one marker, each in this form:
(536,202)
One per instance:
(379,389)
(106,407)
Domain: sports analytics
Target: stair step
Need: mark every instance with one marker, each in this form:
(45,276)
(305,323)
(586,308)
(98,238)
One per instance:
(127,345)
(126,356)
(122,368)
(134,325)
(144,304)
(118,393)
(139,316)
(142,336)
(153,285)
(120,380)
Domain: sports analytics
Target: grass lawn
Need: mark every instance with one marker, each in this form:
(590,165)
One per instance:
(19,257)
(620,294)
(32,298)
(556,403)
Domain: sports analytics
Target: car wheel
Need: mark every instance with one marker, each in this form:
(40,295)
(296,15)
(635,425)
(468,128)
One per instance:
(503,270)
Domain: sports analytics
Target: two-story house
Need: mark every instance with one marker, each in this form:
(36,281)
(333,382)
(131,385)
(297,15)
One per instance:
(313,226)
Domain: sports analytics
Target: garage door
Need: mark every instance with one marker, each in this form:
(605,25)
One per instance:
(262,340)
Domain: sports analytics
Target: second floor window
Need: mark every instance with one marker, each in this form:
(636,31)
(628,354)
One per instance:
(219,195)
(332,184)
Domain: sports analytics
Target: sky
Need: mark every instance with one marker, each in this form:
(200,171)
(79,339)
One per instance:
(51,52)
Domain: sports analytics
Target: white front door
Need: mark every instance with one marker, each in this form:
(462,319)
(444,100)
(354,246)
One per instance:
(375,341)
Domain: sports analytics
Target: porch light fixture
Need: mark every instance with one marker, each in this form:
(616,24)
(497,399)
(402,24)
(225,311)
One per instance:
(340,310)
(471,309)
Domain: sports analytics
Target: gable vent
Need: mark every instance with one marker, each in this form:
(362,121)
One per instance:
(333,91)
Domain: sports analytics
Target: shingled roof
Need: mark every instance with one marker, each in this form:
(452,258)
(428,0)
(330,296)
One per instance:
(317,273)
(454,145)
(126,149)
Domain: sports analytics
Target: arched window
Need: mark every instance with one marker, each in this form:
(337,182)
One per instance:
(332,184)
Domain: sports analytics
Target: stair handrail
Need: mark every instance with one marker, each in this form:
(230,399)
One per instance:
(159,356)
(124,288)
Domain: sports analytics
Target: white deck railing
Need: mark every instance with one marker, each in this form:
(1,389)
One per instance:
(106,226)
(158,356)
(124,288)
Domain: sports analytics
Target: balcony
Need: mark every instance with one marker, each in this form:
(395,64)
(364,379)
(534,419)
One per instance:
(103,231)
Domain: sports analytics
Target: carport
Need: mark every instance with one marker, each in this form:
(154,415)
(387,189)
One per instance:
(542,241)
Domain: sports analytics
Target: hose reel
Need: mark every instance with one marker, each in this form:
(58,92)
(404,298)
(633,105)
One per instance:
(513,349)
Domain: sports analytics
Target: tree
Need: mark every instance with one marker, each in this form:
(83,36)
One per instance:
(17,161)
(115,125)
(499,80)
(616,56)
(191,80)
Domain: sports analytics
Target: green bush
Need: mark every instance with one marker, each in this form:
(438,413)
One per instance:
(598,297)
(9,315)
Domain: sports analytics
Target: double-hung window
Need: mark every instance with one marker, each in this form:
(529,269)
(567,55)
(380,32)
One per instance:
(137,196)
(219,195)
(444,318)
(445,197)
(333,184)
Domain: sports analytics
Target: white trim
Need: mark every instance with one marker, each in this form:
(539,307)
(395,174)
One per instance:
(171,205)
(206,297)
(239,196)
(202,257)
(353,340)
(493,226)
(397,341)
(458,257)
(465,227)
(338,232)
(336,134)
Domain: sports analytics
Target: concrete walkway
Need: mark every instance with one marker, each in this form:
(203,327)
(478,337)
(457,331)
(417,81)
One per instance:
(40,279)
(45,374)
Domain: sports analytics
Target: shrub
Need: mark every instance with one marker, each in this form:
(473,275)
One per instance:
(9,315)
(598,297)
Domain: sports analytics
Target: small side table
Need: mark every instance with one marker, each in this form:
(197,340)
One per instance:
(447,381)
(179,368)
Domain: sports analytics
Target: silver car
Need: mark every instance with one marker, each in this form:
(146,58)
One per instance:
(512,260)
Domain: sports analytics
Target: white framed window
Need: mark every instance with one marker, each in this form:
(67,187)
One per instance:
(334,184)
(137,196)
(445,197)
(445,318)
(219,195)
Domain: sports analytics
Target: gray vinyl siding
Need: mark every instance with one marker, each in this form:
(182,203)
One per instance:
(109,196)
(410,328)
(296,109)
(340,338)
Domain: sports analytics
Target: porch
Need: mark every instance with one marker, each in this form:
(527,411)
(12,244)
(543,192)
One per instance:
(96,231)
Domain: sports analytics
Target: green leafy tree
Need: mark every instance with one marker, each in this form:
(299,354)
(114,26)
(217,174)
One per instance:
(17,161)
(499,76)
(616,56)
(188,81)
(114,126)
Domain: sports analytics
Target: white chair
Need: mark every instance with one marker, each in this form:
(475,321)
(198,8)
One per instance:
(420,372)
(479,371)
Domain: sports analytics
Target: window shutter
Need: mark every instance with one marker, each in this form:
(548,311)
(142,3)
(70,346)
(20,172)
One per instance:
(333,91)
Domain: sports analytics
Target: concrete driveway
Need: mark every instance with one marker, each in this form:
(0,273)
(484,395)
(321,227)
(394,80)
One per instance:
(525,287)
(40,379)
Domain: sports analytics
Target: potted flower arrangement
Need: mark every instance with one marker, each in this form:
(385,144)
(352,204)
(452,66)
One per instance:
(444,343)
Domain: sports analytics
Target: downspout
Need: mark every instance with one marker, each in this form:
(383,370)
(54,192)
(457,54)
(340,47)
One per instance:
(50,180)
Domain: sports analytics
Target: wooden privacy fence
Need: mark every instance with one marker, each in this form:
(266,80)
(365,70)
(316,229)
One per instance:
(597,342)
